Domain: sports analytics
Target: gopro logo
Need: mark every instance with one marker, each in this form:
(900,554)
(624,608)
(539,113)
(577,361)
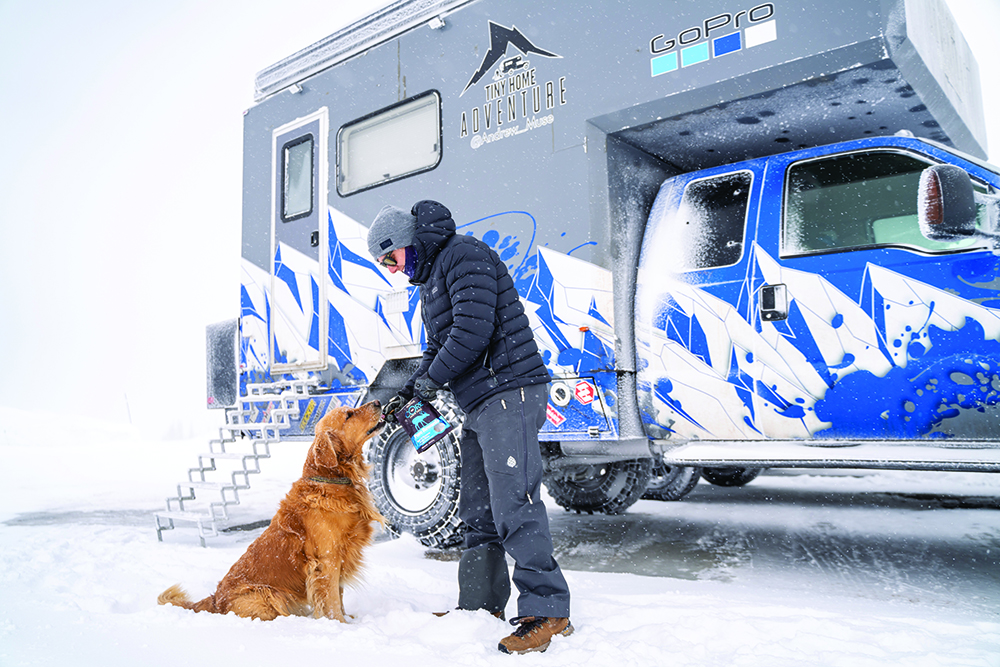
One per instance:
(749,28)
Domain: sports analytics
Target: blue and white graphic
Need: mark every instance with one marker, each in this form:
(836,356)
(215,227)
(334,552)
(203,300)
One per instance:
(834,368)
(371,314)
(570,304)
(374,316)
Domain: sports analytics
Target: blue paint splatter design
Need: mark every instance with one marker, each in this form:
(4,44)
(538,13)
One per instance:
(911,401)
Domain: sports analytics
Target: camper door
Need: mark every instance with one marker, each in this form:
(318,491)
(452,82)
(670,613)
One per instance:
(298,317)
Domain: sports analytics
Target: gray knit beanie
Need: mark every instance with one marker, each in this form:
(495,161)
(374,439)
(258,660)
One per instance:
(392,229)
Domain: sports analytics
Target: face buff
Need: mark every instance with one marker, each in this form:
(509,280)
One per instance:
(410,264)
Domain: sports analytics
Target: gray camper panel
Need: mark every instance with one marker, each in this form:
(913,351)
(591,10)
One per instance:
(764,79)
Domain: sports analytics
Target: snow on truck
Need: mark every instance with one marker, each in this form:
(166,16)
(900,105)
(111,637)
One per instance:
(747,236)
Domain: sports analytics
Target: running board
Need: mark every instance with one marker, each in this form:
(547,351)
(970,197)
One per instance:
(954,456)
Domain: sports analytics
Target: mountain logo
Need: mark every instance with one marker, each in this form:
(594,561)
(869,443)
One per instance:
(501,38)
(517,97)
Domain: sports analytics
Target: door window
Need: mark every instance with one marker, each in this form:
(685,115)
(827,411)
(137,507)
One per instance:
(857,200)
(297,179)
(709,224)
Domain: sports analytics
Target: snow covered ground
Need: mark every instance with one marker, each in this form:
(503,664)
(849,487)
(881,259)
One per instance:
(796,570)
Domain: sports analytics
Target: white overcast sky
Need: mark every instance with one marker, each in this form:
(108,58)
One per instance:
(120,188)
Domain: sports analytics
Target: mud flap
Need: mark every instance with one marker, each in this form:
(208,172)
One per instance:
(222,363)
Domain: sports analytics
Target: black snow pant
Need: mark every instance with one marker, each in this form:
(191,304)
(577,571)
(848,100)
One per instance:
(501,506)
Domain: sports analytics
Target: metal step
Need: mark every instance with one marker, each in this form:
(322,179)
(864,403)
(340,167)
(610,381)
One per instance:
(212,486)
(204,522)
(222,455)
(281,400)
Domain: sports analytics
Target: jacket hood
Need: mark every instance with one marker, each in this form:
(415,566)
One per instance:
(433,229)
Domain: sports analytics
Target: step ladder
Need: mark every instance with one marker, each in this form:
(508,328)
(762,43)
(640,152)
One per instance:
(204,502)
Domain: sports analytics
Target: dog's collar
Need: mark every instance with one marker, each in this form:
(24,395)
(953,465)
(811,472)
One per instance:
(331,480)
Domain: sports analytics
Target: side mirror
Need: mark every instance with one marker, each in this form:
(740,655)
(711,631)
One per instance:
(946,206)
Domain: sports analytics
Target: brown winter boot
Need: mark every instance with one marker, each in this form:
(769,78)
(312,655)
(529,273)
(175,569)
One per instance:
(535,634)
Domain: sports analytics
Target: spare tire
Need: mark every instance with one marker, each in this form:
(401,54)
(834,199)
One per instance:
(418,493)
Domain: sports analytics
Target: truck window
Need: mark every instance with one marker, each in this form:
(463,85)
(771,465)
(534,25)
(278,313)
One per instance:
(395,142)
(297,178)
(857,200)
(710,222)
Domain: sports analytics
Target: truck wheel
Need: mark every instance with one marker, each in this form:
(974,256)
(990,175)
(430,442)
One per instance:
(730,476)
(671,482)
(418,493)
(609,488)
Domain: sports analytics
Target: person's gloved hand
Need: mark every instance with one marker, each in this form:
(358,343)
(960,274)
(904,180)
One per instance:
(426,388)
(390,408)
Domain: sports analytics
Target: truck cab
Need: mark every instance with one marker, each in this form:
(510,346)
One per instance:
(794,298)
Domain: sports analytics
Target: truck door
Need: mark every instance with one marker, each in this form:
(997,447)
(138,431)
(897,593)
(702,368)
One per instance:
(887,333)
(298,316)
(693,306)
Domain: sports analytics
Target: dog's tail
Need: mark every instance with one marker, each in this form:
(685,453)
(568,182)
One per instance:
(176,596)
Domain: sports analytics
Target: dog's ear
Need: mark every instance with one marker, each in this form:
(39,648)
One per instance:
(322,454)
(325,448)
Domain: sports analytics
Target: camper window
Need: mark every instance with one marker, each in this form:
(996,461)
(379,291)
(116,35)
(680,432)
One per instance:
(855,201)
(297,178)
(395,142)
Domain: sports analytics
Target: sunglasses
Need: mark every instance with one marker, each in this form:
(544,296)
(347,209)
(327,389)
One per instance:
(388,260)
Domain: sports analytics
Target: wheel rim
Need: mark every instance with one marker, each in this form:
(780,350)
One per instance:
(586,477)
(594,478)
(662,475)
(412,480)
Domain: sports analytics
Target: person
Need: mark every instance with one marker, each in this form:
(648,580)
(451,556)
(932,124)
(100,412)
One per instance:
(480,345)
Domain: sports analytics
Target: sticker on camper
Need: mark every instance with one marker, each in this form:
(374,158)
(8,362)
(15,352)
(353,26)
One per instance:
(560,394)
(307,414)
(697,44)
(554,415)
(584,392)
(517,97)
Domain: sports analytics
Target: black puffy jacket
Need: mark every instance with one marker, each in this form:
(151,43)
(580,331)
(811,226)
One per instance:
(479,340)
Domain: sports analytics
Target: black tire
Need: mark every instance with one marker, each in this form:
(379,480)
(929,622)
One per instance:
(418,493)
(671,482)
(608,488)
(730,476)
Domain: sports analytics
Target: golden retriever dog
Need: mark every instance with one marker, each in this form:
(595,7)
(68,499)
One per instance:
(313,546)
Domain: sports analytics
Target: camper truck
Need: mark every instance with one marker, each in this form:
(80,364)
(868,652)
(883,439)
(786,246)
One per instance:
(747,236)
